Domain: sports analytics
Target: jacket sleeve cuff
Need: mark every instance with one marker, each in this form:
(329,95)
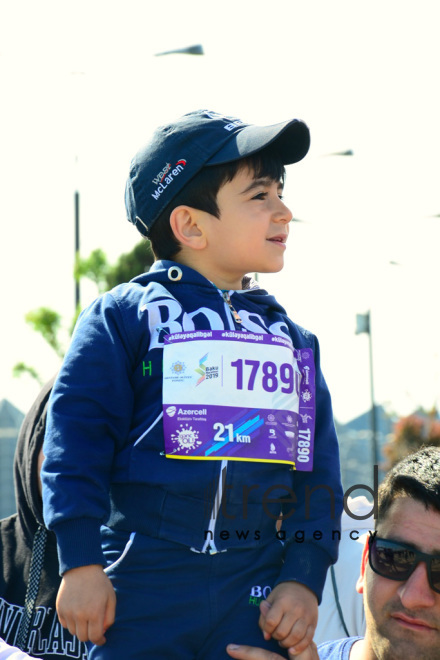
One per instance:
(306,564)
(79,543)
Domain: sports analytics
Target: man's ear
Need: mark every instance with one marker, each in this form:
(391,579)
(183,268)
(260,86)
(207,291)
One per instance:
(187,229)
(361,579)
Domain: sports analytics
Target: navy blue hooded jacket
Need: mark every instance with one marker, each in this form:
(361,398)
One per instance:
(104,445)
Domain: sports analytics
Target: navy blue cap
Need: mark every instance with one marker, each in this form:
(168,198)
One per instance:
(179,150)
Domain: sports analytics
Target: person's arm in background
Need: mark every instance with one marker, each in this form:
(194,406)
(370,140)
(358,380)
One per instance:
(13,653)
(243,652)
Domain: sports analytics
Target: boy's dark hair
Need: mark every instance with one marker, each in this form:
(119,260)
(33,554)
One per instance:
(416,476)
(201,193)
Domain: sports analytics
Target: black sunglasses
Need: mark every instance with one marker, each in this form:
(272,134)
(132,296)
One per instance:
(396,561)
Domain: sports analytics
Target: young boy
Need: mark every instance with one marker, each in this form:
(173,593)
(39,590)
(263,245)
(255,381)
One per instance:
(184,404)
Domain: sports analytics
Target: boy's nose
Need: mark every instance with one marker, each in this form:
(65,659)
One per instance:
(283,213)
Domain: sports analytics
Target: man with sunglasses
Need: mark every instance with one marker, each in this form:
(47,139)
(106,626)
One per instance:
(400,573)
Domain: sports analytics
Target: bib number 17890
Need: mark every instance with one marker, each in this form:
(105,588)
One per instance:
(272,377)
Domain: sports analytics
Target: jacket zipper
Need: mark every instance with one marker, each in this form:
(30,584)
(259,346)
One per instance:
(235,315)
(209,545)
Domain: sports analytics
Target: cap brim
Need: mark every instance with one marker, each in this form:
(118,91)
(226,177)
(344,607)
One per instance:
(291,139)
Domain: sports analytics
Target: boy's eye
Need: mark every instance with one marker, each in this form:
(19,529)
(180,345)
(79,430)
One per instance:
(261,195)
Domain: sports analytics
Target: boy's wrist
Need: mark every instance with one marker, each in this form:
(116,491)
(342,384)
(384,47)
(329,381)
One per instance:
(79,543)
(310,573)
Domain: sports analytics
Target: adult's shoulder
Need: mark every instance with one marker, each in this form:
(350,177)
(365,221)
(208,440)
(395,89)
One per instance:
(338,649)
(11,542)
(12,652)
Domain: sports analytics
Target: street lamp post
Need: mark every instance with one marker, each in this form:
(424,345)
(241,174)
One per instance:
(363,325)
(197,49)
(77,287)
(77,78)
(347,152)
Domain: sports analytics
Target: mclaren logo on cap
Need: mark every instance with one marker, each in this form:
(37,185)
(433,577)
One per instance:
(159,177)
(167,176)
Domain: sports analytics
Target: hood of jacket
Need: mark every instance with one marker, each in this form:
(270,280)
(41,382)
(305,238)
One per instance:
(25,562)
(164,272)
(29,445)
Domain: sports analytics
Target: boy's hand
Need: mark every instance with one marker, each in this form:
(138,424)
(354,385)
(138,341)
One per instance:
(290,615)
(243,652)
(86,603)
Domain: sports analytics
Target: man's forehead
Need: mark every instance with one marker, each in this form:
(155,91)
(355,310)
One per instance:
(411,521)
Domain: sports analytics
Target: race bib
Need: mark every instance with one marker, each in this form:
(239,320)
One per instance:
(238,396)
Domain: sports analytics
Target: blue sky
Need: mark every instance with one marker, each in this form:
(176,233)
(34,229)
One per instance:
(82,90)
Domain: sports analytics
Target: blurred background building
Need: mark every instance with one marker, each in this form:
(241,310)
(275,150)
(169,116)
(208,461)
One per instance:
(10,422)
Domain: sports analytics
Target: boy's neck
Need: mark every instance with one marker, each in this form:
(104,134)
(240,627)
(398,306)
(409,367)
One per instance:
(197,262)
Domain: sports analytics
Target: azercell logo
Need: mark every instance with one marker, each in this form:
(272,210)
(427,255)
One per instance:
(166,177)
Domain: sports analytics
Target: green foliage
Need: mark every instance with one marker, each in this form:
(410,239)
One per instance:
(47,322)
(21,368)
(133,263)
(96,268)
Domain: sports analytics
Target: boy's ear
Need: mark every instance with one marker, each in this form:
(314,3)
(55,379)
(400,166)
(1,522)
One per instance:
(187,229)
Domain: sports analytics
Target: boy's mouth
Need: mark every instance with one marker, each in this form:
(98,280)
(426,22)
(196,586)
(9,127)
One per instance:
(279,238)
